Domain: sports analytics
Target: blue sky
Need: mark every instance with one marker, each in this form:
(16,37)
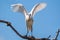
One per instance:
(46,22)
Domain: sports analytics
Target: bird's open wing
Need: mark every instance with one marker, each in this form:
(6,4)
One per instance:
(38,7)
(19,8)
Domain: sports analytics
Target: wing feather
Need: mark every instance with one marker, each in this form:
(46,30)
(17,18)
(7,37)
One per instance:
(19,8)
(38,7)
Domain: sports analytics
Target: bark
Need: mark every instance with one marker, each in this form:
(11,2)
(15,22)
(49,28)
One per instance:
(26,37)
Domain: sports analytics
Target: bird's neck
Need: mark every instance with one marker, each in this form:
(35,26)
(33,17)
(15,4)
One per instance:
(27,17)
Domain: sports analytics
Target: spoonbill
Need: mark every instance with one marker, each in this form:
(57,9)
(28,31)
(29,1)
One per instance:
(28,16)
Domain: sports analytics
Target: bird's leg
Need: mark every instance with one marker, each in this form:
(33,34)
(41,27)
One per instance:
(32,28)
(27,32)
(31,31)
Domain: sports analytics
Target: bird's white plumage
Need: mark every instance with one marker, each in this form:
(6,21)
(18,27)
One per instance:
(17,4)
(37,7)
(28,17)
(19,8)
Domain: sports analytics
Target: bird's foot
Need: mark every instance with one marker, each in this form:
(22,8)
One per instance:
(32,36)
(25,35)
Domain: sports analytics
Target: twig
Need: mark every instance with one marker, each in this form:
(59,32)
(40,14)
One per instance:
(57,34)
(24,37)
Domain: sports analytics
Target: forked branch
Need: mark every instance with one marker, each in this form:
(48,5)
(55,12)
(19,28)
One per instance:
(24,37)
(27,37)
(57,34)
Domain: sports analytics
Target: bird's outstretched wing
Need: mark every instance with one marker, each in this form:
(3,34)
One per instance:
(37,7)
(19,8)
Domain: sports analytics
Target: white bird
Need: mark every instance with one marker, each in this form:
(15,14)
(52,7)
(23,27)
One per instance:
(28,16)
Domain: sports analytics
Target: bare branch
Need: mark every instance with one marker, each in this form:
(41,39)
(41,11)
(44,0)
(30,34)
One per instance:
(24,37)
(57,34)
(9,24)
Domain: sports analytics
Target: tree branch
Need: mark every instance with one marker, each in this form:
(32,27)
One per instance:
(9,24)
(57,34)
(24,37)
